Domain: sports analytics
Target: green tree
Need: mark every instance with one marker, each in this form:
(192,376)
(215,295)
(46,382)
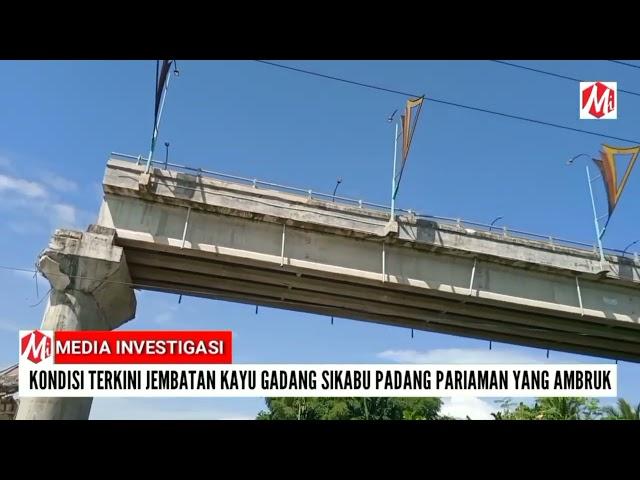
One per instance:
(421,408)
(623,411)
(568,408)
(379,408)
(550,408)
(511,411)
(370,408)
(300,408)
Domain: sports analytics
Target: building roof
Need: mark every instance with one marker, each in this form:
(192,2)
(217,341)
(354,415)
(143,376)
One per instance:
(9,378)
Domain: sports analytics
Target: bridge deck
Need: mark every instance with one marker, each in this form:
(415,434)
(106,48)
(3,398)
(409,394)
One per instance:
(203,236)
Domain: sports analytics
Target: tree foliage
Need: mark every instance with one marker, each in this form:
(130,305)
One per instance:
(369,408)
(550,408)
(544,408)
(623,411)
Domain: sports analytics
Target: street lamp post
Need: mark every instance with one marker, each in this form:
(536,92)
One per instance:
(338,182)
(628,247)
(596,222)
(494,221)
(393,174)
(393,177)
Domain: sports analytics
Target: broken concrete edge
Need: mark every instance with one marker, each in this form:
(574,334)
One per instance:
(92,263)
(50,269)
(61,233)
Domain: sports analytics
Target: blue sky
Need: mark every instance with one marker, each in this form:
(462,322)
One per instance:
(60,120)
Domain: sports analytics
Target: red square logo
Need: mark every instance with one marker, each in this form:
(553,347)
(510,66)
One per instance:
(598,100)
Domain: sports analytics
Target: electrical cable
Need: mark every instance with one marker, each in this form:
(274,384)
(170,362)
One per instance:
(452,104)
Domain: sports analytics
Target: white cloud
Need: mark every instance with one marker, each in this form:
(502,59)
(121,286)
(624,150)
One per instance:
(42,214)
(42,200)
(22,187)
(46,209)
(64,215)
(459,356)
(59,183)
(152,409)
(84,218)
(473,407)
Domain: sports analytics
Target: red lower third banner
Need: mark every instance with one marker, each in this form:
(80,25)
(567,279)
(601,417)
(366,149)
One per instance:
(150,347)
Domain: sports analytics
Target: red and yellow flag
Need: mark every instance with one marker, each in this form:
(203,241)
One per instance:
(608,168)
(408,122)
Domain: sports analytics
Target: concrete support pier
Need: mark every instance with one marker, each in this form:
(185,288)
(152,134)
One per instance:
(90,290)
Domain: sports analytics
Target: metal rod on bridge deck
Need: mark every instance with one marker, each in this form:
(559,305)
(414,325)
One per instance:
(166,157)
(393,178)
(595,217)
(579,296)
(284,229)
(184,237)
(186,226)
(473,276)
(384,271)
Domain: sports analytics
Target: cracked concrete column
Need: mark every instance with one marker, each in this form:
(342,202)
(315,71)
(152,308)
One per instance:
(90,290)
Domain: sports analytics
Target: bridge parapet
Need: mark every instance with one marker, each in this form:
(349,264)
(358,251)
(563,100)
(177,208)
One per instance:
(199,235)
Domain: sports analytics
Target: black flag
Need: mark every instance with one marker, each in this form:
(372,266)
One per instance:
(161,81)
(162,76)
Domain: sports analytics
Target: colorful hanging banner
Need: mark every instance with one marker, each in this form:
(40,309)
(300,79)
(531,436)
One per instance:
(161,80)
(408,123)
(607,165)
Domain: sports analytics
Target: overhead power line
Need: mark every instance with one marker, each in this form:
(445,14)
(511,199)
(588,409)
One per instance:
(133,285)
(624,63)
(557,75)
(449,103)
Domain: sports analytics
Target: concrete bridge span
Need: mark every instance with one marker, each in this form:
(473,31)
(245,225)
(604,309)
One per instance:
(192,234)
